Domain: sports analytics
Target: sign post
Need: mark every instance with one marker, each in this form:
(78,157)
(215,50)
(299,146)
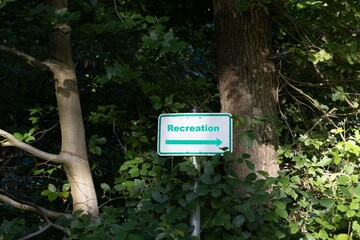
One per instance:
(194,134)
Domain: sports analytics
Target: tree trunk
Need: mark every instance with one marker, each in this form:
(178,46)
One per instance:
(246,84)
(73,145)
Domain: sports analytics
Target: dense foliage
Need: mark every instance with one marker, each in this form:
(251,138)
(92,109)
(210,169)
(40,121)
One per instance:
(137,60)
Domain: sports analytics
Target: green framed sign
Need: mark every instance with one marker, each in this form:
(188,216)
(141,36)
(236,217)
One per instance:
(194,134)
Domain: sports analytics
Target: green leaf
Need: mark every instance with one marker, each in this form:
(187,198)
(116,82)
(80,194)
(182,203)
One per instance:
(203,190)
(217,178)
(150,19)
(205,178)
(182,202)
(327,202)
(222,219)
(239,220)
(357,191)
(281,212)
(354,205)
(346,192)
(66,187)
(323,234)
(159,197)
(53,196)
(300,6)
(342,208)
(250,165)
(263,173)
(294,228)
(250,177)
(105,187)
(343,236)
(119,187)
(343,179)
(158,105)
(325,161)
(51,188)
(64,194)
(215,192)
(19,136)
(279,234)
(46,192)
(38,171)
(356,226)
(161,236)
(134,172)
(279,204)
(350,213)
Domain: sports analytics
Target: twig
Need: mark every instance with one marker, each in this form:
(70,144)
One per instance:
(118,139)
(117,12)
(326,115)
(43,132)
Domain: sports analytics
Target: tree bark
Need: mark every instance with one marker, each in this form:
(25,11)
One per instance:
(246,84)
(73,145)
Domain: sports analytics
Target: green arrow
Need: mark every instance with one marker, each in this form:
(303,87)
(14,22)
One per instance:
(216,142)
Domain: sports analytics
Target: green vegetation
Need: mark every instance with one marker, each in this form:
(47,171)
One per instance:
(135,60)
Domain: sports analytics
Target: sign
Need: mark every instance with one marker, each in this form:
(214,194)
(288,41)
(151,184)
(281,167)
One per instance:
(194,134)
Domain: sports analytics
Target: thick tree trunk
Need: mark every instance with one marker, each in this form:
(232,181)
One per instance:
(73,146)
(246,85)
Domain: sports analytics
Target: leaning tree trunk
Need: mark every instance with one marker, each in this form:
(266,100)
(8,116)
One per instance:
(246,84)
(73,154)
(73,146)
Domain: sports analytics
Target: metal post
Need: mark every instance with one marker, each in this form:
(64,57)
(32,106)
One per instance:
(195,215)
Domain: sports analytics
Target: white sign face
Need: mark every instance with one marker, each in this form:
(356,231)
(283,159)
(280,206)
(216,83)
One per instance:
(194,134)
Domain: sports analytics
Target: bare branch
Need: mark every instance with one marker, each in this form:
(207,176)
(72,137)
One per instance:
(29,206)
(43,65)
(11,140)
(7,198)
